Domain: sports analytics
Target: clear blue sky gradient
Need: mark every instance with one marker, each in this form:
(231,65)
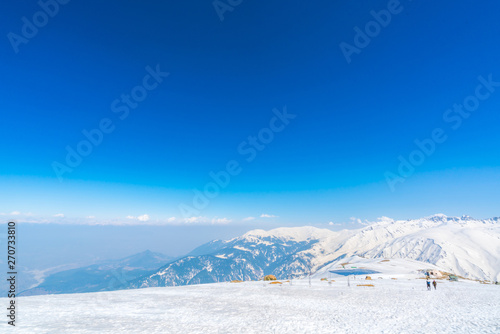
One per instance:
(353,119)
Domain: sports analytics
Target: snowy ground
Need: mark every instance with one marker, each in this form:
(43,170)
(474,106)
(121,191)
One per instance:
(392,306)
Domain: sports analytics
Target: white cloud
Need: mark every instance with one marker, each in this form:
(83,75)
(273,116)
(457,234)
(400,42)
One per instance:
(17,213)
(248,219)
(199,219)
(221,221)
(355,220)
(61,218)
(265,215)
(334,224)
(143,218)
(385,219)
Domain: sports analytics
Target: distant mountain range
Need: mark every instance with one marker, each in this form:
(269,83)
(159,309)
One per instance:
(464,246)
(104,276)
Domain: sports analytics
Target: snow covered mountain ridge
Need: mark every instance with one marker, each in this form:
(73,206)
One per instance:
(289,233)
(464,246)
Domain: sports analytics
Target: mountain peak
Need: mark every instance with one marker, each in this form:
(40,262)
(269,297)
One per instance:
(302,233)
(438,215)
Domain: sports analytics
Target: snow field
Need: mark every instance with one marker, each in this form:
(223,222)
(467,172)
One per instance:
(392,306)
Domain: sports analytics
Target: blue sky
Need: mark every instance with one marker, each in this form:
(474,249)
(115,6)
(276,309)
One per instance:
(352,121)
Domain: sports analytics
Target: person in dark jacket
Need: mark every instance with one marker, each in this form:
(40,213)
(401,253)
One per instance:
(434,283)
(428,285)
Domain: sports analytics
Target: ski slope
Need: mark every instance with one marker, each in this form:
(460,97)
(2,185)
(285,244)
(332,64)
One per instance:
(391,306)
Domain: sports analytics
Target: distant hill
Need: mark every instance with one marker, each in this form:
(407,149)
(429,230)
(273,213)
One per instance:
(104,276)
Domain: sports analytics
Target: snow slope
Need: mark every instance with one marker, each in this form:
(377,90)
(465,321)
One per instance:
(385,268)
(464,246)
(391,306)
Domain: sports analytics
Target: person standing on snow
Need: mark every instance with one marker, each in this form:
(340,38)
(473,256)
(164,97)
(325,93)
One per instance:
(428,285)
(434,283)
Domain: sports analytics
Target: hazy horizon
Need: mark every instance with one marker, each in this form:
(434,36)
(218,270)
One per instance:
(80,244)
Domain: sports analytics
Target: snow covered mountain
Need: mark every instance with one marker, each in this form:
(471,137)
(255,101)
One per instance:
(248,257)
(464,246)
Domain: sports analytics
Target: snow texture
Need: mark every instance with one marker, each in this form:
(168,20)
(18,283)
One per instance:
(391,306)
